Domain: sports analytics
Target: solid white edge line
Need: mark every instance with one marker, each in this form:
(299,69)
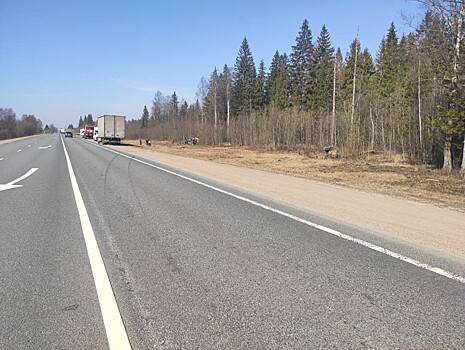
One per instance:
(114,327)
(371,246)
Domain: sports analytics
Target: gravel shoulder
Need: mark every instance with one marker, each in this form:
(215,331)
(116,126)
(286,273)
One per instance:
(424,226)
(2,142)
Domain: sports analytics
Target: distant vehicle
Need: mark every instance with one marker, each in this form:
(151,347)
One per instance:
(81,132)
(68,134)
(88,132)
(95,133)
(62,131)
(111,128)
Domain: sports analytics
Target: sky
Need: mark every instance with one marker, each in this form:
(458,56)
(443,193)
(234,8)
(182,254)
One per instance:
(62,59)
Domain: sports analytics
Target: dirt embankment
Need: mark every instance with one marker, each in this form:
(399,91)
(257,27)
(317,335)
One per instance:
(376,194)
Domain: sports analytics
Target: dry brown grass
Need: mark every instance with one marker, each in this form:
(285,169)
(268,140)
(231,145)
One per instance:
(374,173)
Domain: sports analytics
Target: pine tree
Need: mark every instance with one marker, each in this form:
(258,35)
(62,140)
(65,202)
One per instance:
(302,67)
(244,80)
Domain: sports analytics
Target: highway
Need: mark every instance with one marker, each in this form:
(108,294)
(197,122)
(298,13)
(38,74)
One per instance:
(104,251)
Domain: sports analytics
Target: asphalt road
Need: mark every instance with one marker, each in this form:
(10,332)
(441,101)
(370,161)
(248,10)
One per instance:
(193,268)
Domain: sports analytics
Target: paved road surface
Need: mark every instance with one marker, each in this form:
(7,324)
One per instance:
(191,267)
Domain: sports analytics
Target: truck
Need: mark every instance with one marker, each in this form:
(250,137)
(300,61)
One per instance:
(88,132)
(111,128)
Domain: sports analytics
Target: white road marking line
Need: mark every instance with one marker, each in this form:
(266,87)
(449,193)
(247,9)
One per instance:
(29,173)
(114,327)
(10,185)
(28,145)
(18,150)
(1,158)
(371,246)
(44,147)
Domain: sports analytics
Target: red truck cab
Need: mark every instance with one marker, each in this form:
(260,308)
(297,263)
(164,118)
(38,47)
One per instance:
(88,132)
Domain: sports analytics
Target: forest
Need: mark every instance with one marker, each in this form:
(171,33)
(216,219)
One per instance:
(27,125)
(407,100)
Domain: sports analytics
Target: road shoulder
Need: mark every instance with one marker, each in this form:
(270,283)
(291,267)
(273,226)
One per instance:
(424,226)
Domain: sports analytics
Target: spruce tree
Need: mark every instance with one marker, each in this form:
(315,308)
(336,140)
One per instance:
(274,68)
(388,63)
(260,90)
(184,110)
(244,80)
(302,67)
(278,81)
(174,105)
(173,110)
(324,55)
(436,60)
(145,118)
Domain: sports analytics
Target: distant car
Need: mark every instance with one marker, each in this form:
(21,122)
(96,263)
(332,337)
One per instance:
(68,134)
(95,137)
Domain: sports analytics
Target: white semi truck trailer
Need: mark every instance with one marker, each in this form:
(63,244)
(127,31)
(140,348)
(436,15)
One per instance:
(111,128)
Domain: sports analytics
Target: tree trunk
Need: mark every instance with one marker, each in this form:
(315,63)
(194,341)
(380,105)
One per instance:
(462,168)
(353,92)
(420,123)
(372,142)
(215,110)
(333,118)
(352,131)
(227,111)
(447,167)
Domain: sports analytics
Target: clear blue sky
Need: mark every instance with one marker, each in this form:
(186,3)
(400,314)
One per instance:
(61,59)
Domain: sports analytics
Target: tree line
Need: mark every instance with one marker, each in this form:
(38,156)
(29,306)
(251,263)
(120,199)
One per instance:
(27,125)
(409,99)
